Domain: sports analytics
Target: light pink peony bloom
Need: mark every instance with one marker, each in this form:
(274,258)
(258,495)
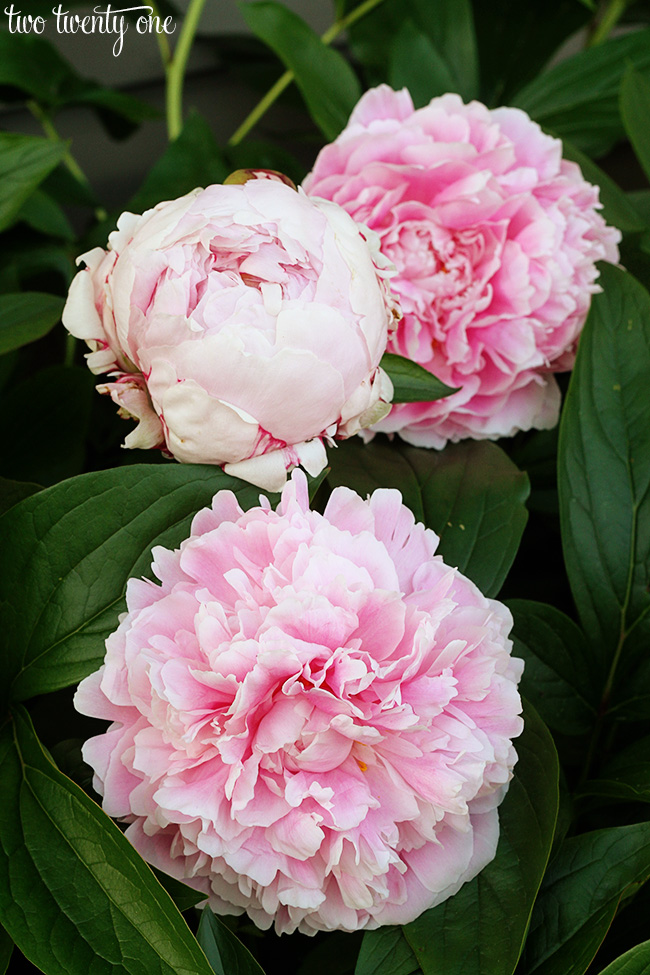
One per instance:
(242,325)
(312,714)
(495,239)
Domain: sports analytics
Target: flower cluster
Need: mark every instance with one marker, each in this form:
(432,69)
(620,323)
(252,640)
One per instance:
(242,325)
(312,714)
(495,239)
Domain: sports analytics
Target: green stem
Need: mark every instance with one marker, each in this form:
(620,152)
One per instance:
(50,131)
(176,68)
(285,80)
(163,42)
(261,108)
(347,21)
(70,349)
(611,16)
(69,161)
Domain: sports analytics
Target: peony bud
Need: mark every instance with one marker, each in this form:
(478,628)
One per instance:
(241,325)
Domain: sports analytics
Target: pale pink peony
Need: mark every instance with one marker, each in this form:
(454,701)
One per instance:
(312,714)
(495,239)
(242,325)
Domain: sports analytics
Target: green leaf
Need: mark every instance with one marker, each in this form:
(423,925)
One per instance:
(449,25)
(579,897)
(626,776)
(43,424)
(25,317)
(44,214)
(416,64)
(386,952)
(68,552)
(25,160)
(114,103)
(75,896)
(635,111)
(11,492)
(636,961)
(557,677)
(413,383)
(604,476)
(191,160)
(326,81)
(516,41)
(481,930)
(66,188)
(444,27)
(33,67)
(639,200)
(6,950)
(22,262)
(578,97)
(470,493)
(633,708)
(618,209)
(226,954)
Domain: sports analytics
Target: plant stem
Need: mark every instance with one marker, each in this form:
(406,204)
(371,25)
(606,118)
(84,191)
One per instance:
(163,43)
(611,16)
(50,131)
(176,68)
(70,349)
(69,161)
(340,25)
(285,80)
(261,108)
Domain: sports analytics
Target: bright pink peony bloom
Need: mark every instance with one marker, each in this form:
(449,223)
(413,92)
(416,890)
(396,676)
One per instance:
(495,239)
(312,714)
(242,325)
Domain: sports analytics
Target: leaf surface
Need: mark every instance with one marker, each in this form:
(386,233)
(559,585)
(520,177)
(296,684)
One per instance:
(557,677)
(25,317)
(76,897)
(413,383)
(225,952)
(325,79)
(604,478)
(578,97)
(68,552)
(579,897)
(25,161)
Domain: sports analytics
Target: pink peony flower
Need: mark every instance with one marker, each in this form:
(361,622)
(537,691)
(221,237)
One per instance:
(312,714)
(495,239)
(242,325)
